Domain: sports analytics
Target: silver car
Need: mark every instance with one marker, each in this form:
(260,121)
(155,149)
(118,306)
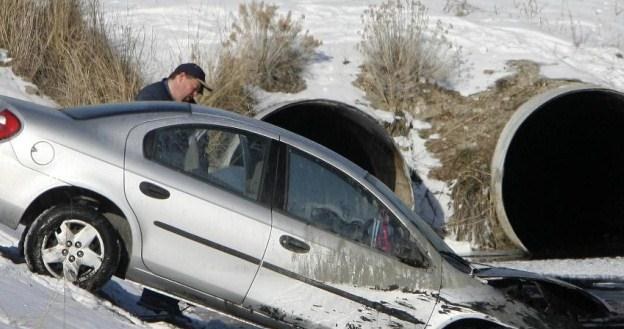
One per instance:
(242,216)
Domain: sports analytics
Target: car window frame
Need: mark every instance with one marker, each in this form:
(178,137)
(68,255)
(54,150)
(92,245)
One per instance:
(280,199)
(265,190)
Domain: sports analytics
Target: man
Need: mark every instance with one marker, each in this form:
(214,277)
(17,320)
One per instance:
(185,83)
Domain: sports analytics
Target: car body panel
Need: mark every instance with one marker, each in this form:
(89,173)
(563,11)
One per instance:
(339,282)
(14,201)
(213,229)
(462,297)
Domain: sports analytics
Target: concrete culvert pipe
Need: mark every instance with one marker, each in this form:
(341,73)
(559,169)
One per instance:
(558,174)
(349,132)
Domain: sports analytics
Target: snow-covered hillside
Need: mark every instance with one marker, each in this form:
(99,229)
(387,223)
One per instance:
(580,40)
(569,39)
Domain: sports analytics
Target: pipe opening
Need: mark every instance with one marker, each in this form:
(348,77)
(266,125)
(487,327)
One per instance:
(359,138)
(563,183)
(345,130)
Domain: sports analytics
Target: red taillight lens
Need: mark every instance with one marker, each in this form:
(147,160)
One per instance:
(9,124)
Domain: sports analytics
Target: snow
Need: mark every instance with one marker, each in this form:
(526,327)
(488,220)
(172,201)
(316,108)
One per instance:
(13,86)
(30,301)
(570,39)
(36,301)
(588,268)
(4,57)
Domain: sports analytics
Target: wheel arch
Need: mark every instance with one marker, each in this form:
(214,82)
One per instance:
(73,194)
(473,323)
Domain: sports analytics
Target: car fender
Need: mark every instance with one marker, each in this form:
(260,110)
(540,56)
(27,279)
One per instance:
(441,322)
(465,297)
(20,186)
(71,168)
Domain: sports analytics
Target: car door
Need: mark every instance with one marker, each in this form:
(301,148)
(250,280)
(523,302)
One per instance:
(197,191)
(339,257)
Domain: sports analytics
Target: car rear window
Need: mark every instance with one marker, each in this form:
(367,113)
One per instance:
(230,159)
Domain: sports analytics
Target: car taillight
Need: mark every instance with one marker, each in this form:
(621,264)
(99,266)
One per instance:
(9,124)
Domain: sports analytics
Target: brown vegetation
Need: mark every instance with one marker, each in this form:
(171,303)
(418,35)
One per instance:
(401,53)
(469,128)
(405,64)
(275,49)
(64,47)
(230,86)
(263,49)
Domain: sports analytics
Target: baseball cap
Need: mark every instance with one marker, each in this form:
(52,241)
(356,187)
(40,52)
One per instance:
(195,71)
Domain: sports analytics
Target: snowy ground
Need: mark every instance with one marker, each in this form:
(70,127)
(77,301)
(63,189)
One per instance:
(35,301)
(570,39)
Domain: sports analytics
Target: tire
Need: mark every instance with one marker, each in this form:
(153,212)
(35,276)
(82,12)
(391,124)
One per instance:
(74,243)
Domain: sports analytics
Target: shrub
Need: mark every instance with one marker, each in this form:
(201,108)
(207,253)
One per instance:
(458,7)
(63,46)
(229,78)
(262,50)
(400,51)
(529,8)
(273,49)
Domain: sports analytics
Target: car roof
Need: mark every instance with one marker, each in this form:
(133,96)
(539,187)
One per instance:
(108,110)
(156,109)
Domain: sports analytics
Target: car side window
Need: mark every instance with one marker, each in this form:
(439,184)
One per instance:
(230,159)
(330,200)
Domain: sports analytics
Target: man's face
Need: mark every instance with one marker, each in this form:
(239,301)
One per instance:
(188,87)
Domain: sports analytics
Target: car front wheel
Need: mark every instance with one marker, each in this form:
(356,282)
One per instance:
(74,243)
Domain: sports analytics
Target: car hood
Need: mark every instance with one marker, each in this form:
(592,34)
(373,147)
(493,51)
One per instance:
(492,274)
(519,299)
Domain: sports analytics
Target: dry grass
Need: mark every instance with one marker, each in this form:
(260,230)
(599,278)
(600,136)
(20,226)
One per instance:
(63,46)
(262,49)
(458,7)
(469,128)
(230,84)
(401,52)
(273,48)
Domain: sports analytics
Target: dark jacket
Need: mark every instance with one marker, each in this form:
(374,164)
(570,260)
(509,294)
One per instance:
(157,91)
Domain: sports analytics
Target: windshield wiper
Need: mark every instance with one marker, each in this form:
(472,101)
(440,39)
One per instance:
(458,262)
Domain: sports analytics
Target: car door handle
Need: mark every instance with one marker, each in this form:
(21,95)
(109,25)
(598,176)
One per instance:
(154,191)
(294,245)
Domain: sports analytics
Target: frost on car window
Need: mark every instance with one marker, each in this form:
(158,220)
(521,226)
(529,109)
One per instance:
(228,159)
(334,202)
